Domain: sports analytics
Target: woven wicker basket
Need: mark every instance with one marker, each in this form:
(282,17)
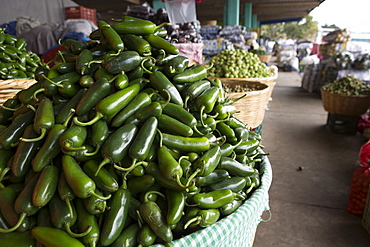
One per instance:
(252,107)
(239,228)
(265,58)
(269,81)
(349,105)
(9,88)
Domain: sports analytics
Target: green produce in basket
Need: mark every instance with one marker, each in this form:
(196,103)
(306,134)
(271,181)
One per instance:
(147,152)
(238,63)
(16,62)
(348,85)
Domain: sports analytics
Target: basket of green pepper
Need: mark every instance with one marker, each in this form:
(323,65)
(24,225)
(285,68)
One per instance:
(346,96)
(124,143)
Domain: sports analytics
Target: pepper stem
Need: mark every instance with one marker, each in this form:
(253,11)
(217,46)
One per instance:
(93,153)
(191,221)
(98,116)
(9,109)
(69,206)
(250,188)
(92,193)
(105,161)
(42,135)
(76,235)
(20,221)
(3,173)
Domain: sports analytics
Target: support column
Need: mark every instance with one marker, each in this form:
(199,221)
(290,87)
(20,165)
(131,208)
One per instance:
(255,22)
(232,12)
(247,20)
(157,4)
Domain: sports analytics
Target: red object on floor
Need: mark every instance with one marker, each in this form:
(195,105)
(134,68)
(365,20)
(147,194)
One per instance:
(50,55)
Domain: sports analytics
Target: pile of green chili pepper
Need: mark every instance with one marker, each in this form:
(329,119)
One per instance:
(16,62)
(121,144)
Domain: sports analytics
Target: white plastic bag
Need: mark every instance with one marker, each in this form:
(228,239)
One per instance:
(181,11)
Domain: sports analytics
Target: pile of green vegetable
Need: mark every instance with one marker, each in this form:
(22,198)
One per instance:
(238,63)
(348,85)
(121,143)
(16,62)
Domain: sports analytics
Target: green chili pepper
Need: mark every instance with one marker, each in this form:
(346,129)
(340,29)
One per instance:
(122,81)
(137,27)
(153,169)
(101,72)
(247,146)
(207,100)
(86,81)
(140,184)
(46,186)
(95,205)
(191,75)
(73,139)
(11,217)
(65,192)
(81,184)
(66,67)
(216,176)
(176,205)
(152,214)
(140,116)
(23,203)
(99,133)
(116,146)
(146,236)
(213,199)
(128,237)
(173,126)
(111,36)
(235,184)
(208,162)
(85,220)
(141,100)
(160,43)
(180,113)
(186,144)
(44,120)
(140,147)
(25,152)
(43,217)
(116,216)
(204,218)
(82,62)
(10,136)
(61,217)
(236,168)
(66,109)
(227,131)
(49,236)
(103,179)
(98,91)
(176,65)
(138,44)
(165,87)
(110,106)
(125,61)
(230,207)
(18,239)
(168,165)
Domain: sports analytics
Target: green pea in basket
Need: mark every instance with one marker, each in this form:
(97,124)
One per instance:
(238,228)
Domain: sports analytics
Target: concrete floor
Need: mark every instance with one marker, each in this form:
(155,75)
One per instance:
(308,207)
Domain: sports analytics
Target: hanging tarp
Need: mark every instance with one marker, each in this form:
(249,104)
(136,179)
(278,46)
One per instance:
(45,11)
